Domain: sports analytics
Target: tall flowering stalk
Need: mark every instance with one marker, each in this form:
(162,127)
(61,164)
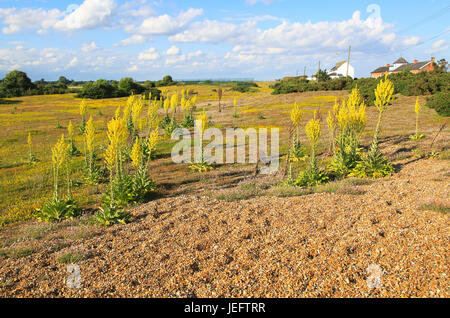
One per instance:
(313,130)
(83,110)
(117,135)
(59,154)
(312,175)
(174,105)
(73,151)
(31,157)
(331,124)
(417,109)
(89,141)
(374,164)
(383,97)
(296,119)
(201,124)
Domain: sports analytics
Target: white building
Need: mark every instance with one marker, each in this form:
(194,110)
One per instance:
(340,70)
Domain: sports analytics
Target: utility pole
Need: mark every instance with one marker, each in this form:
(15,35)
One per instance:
(348,59)
(304,71)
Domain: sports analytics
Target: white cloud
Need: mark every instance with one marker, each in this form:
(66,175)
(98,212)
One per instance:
(165,24)
(90,14)
(438,46)
(73,62)
(89,46)
(133,40)
(150,54)
(27,18)
(173,51)
(413,40)
(369,36)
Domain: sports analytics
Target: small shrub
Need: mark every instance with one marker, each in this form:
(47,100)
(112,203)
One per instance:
(110,215)
(57,210)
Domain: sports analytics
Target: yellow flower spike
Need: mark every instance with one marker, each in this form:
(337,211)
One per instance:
(174,102)
(166,104)
(204,122)
(29,142)
(330,121)
(153,140)
(183,102)
(59,152)
(335,107)
(383,94)
(70,130)
(110,157)
(83,107)
(136,111)
(136,154)
(313,129)
(296,115)
(90,135)
(418,106)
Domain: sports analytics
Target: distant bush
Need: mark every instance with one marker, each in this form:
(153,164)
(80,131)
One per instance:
(128,86)
(111,89)
(440,102)
(243,87)
(16,84)
(166,81)
(100,89)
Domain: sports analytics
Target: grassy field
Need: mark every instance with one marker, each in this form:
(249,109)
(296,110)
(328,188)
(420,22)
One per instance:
(24,187)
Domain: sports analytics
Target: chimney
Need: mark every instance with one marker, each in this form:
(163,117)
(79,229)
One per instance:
(433,60)
(416,61)
(388,65)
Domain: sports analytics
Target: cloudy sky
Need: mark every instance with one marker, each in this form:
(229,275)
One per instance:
(198,39)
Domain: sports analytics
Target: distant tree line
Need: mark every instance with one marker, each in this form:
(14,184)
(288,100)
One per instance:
(17,84)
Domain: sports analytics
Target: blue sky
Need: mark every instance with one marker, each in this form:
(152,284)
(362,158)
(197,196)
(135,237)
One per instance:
(260,39)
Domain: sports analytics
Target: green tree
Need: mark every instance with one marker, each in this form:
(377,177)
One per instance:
(15,84)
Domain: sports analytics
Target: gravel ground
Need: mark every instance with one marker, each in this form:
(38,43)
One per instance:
(320,245)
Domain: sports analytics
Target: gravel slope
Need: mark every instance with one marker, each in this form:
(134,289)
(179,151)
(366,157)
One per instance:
(311,246)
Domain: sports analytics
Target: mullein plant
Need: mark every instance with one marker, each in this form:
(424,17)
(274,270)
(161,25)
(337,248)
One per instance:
(374,164)
(188,107)
(58,208)
(127,114)
(93,172)
(201,125)
(331,124)
(417,109)
(235,107)
(83,111)
(31,157)
(73,150)
(297,152)
(120,185)
(142,184)
(351,120)
(172,125)
(312,176)
(166,119)
(150,142)
(137,108)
